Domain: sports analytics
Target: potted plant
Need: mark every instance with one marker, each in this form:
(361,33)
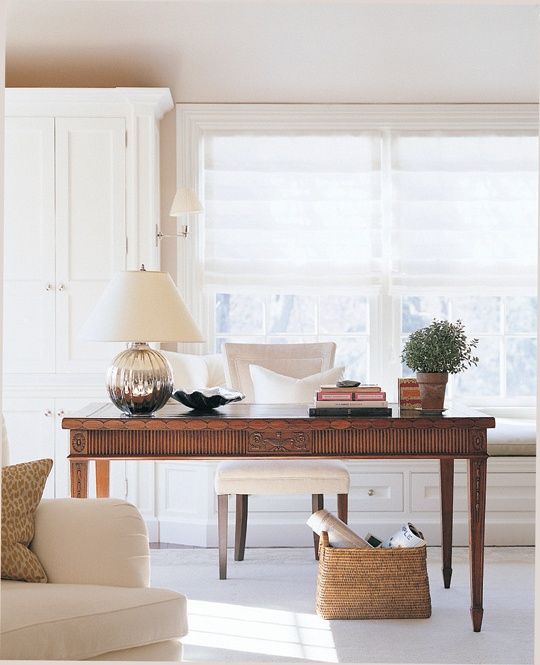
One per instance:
(434,352)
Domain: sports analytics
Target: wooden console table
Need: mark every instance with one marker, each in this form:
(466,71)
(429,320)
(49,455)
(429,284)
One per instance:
(101,433)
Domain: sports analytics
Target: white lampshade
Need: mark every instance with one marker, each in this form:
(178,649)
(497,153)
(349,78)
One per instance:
(185,201)
(141,306)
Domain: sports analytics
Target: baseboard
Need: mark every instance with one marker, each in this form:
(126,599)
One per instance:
(294,533)
(152,526)
(192,534)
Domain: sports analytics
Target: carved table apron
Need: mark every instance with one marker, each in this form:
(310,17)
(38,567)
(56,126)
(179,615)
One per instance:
(101,433)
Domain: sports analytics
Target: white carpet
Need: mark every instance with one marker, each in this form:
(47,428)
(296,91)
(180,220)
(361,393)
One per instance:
(265,611)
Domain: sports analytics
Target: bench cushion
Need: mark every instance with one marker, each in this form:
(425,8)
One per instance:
(266,477)
(79,621)
(512,437)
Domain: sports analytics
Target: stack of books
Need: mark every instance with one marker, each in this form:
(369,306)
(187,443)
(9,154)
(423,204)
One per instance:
(364,400)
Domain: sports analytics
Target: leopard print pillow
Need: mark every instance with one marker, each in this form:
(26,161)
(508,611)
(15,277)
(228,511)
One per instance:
(22,487)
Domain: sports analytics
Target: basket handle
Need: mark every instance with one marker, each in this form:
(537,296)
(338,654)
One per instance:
(323,544)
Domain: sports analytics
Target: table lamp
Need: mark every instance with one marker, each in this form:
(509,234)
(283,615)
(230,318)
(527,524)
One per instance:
(140,306)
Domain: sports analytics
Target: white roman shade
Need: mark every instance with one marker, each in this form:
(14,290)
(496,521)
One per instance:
(416,200)
(292,209)
(464,211)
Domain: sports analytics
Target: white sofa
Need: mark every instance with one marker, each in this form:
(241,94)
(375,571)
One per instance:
(97,604)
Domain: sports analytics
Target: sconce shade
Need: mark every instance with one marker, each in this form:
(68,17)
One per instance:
(141,306)
(185,201)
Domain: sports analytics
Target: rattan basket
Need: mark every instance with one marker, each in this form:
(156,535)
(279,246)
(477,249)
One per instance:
(372,583)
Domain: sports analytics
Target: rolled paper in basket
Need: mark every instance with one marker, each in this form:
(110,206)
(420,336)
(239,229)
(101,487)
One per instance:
(406,536)
(339,534)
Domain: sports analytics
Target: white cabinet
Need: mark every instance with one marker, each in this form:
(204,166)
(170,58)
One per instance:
(90,231)
(372,492)
(30,429)
(29,241)
(383,495)
(81,203)
(69,180)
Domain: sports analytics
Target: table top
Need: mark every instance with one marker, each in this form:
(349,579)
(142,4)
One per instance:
(107,416)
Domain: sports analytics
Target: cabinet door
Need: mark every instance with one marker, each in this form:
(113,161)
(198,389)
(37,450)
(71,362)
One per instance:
(29,270)
(30,430)
(90,232)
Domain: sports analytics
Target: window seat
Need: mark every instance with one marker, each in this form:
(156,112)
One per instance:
(512,437)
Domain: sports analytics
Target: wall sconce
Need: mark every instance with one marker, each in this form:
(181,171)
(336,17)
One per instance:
(185,202)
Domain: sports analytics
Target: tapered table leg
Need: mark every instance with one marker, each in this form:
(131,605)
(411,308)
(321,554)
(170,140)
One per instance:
(78,470)
(102,478)
(447,515)
(240,526)
(477,478)
(223,515)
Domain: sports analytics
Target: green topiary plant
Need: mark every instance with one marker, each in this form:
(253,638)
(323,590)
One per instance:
(440,347)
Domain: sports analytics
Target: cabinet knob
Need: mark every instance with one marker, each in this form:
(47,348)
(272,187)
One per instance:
(47,413)
(61,287)
(60,413)
(371,492)
(49,287)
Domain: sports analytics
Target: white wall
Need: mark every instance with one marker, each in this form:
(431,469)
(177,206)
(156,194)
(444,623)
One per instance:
(331,51)
(295,51)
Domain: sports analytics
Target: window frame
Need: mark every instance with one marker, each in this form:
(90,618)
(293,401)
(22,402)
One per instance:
(193,120)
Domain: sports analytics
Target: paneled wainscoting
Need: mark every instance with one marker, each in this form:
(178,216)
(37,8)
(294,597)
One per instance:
(178,502)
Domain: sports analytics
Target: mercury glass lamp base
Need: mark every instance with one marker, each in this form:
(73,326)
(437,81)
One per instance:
(140,380)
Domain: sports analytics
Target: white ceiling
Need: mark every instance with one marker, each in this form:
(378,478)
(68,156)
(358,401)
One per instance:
(273,51)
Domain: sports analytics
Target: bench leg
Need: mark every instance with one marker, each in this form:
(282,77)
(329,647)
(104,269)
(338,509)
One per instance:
(241,526)
(223,510)
(317,503)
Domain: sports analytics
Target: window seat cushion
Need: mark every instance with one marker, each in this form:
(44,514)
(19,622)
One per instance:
(512,437)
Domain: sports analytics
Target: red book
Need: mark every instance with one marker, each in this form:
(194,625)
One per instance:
(370,397)
(328,395)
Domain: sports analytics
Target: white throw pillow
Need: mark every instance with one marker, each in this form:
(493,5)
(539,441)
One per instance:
(273,388)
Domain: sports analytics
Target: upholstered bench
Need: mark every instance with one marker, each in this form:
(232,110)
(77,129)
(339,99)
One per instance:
(272,477)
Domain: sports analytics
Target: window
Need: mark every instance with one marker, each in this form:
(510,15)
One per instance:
(362,224)
(506,331)
(286,318)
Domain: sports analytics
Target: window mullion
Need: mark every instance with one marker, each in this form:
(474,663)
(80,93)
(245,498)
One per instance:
(386,340)
(502,348)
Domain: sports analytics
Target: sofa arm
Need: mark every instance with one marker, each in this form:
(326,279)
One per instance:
(92,541)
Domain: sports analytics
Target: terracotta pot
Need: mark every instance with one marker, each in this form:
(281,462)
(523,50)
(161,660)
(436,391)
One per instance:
(432,388)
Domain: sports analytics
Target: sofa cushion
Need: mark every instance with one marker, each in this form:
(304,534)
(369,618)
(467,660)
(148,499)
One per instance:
(273,388)
(512,437)
(192,372)
(110,547)
(170,650)
(216,370)
(22,487)
(74,622)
